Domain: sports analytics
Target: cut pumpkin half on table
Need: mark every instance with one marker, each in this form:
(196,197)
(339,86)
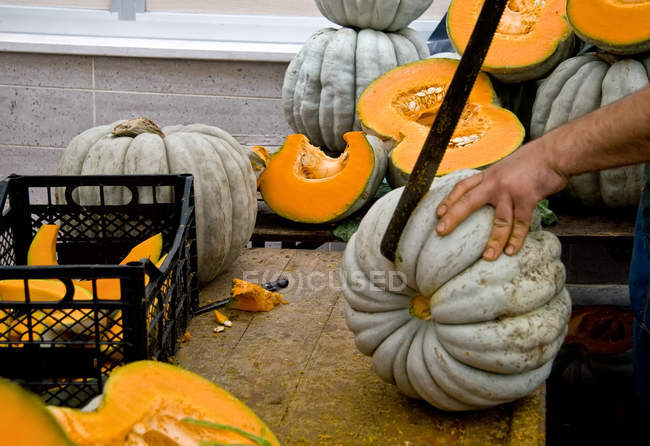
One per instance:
(617,26)
(303,184)
(149,402)
(402,104)
(533,36)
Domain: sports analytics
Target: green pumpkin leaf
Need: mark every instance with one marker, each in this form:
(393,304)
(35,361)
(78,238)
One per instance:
(349,226)
(345,230)
(257,439)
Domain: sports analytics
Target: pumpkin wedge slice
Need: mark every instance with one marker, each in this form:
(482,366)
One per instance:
(42,249)
(40,290)
(617,26)
(402,104)
(533,36)
(109,289)
(303,184)
(149,402)
(24,421)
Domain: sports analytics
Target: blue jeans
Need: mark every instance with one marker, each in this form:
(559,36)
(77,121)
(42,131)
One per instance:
(639,283)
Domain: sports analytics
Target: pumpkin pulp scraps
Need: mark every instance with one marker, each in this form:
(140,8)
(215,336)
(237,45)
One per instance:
(250,297)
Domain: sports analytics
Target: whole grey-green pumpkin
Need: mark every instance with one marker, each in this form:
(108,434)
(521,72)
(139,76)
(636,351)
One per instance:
(382,15)
(325,79)
(224,182)
(492,329)
(576,87)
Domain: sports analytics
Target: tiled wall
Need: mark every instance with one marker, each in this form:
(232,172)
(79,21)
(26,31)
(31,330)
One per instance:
(45,100)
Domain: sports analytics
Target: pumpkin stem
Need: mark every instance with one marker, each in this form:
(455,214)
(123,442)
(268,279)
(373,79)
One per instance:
(607,57)
(136,126)
(420,308)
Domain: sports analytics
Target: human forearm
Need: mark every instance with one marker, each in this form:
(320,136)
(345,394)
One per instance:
(612,136)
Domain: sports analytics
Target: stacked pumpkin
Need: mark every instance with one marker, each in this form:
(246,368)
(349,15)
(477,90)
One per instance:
(325,79)
(400,105)
(584,83)
(321,87)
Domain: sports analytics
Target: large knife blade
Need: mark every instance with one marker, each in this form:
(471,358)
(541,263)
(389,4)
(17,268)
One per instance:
(444,124)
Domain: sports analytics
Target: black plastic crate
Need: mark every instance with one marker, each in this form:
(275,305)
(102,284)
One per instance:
(64,350)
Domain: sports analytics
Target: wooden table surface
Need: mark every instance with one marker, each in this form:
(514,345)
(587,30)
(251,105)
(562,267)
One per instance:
(297,367)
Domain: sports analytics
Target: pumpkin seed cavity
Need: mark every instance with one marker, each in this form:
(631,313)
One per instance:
(520,17)
(314,164)
(422,105)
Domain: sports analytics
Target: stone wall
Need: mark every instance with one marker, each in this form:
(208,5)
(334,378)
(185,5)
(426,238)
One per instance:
(45,100)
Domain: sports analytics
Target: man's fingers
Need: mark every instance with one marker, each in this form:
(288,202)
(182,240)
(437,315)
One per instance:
(458,192)
(520,229)
(460,209)
(501,228)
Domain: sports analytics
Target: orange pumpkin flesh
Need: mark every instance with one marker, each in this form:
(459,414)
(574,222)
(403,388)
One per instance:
(24,421)
(250,297)
(40,290)
(42,249)
(402,104)
(303,184)
(530,32)
(612,24)
(146,401)
(109,289)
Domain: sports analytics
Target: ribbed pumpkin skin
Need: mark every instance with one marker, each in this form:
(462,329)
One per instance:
(494,327)
(576,87)
(382,15)
(224,182)
(325,79)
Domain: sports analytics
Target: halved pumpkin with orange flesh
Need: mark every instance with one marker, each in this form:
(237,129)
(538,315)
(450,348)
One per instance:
(42,249)
(302,183)
(24,421)
(533,36)
(402,104)
(148,402)
(617,26)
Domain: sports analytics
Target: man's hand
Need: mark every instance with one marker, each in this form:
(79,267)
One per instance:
(513,186)
(611,136)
